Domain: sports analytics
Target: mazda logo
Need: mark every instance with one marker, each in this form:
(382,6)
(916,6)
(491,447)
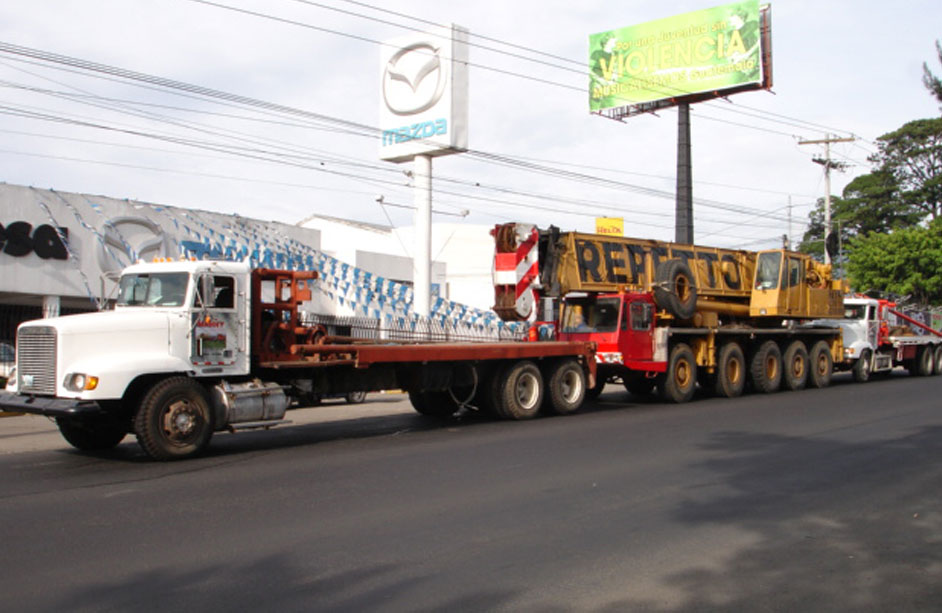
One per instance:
(414,79)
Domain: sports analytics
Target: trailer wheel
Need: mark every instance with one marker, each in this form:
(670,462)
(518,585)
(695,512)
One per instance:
(520,388)
(679,382)
(924,365)
(821,365)
(91,434)
(795,366)
(174,420)
(433,404)
(355,397)
(730,371)
(938,359)
(565,389)
(674,289)
(766,368)
(861,368)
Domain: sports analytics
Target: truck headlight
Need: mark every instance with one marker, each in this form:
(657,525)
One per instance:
(78,382)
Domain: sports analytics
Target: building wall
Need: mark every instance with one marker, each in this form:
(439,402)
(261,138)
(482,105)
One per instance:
(70,246)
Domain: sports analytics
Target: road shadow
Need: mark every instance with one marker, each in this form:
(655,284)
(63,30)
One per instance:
(839,526)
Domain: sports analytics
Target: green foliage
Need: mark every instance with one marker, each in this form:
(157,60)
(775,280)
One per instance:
(870,203)
(912,155)
(904,262)
(932,82)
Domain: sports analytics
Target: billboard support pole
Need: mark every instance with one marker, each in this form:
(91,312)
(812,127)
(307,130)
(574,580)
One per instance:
(683,215)
(421,287)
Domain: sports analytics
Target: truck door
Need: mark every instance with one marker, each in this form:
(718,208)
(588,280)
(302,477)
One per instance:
(218,335)
(793,287)
(635,334)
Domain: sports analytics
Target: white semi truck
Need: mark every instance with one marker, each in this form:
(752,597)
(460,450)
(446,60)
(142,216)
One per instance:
(874,344)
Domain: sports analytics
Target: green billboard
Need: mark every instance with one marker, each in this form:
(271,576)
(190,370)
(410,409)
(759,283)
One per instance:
(704,51)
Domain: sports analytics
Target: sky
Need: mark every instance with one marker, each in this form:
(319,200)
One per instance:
(845,68)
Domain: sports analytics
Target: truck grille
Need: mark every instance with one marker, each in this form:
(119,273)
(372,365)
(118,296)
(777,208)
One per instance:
(36,360)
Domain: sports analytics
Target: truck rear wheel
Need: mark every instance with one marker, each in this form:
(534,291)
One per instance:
(795,366)
(766,368)
(925,365)
(821,365)
(680,380)
(565,389)
(938,359)
(520,388)
(730,371)
(174,420)
(674,289)
(862,367)
(91,434)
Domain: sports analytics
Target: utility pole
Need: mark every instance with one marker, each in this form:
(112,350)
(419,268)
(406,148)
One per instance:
(828,165)
(789,245)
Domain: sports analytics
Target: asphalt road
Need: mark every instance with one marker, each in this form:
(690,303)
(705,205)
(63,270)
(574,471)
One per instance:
(821,500)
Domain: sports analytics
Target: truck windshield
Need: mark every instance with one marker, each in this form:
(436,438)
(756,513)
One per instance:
(591,315)
(153,289)
(855,311)
(767,270)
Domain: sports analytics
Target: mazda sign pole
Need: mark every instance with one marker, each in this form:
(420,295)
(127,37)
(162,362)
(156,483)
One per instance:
(421,288)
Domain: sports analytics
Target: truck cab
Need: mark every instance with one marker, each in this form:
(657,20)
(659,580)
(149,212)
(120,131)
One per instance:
(185,317)
(623,325)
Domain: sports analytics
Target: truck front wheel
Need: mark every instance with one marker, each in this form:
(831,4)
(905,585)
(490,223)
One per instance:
(862,367)
(91,434)
(938,359)
(174,420)
(679,382)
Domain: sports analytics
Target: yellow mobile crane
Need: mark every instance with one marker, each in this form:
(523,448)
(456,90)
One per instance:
(668,315)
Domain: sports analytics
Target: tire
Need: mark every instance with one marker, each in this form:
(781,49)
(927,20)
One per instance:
(520,390)
(91,434)
(730,371)
(433,404)
(862,367)
(674,289)
(924,365)
(679,382)
(355,397)
(938,359)
(821,366)
(174,420)
(565,389)
(638,385)
(795,366)
(591,393)
(765,368)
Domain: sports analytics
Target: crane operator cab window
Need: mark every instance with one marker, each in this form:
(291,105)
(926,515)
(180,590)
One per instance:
(767,270)
(591,316)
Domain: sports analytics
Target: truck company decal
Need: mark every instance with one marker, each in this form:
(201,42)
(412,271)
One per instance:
(633,262)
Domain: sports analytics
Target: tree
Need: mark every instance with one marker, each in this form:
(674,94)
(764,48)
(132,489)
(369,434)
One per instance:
(870,203)
(904,262)
(912,155)
(932,82)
